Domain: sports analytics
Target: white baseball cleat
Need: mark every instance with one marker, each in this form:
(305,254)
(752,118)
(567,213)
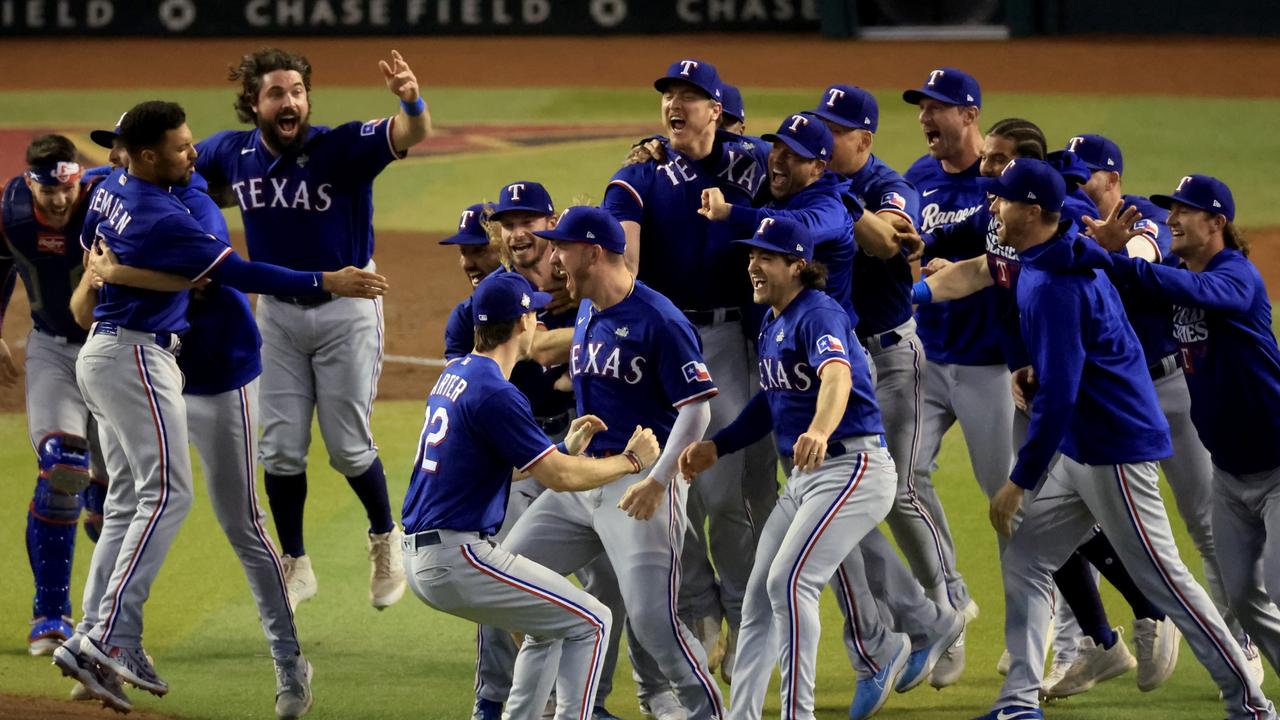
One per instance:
(663,706)
(299,579)
(728,651)
(133,665)
(1002,665)
(1254,661)
(293,687)
(707,630)
(950,666)
(1057,671)
(386,574)
(1157,644)
(1094,665)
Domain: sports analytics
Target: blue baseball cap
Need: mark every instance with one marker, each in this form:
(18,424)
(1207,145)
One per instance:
(107,138)
(1025,180)
(805,134)
(590,225)
(1201,192)
(1070,166)
(1097,152)
(470,228)
(849,106)
(949,85)
(503,297)
(697,73)
(783,236)
(731,103)
(524,195)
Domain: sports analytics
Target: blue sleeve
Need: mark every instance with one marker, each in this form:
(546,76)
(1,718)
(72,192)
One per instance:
(827,338)
(897,197)
(624,196)
(248,277)
(957,239)
(459,332)
(207,213)
(1226,287)
(825,221)
(367,147)
(681,369)
(208,157)
(754,422)
(99,171)
(507,421)
(186,250)
(1052,327)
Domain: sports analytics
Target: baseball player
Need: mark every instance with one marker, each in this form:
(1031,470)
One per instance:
(41,212)
(220,365)
(634,361)
(306,197)
(130,380)
(682,255)
(1093,402)
(818,399)
(478,427)
(1221,310)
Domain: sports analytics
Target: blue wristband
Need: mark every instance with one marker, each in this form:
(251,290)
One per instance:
(921,293)
(414,109)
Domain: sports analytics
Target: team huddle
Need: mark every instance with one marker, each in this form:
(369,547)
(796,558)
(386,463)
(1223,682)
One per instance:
(620,357)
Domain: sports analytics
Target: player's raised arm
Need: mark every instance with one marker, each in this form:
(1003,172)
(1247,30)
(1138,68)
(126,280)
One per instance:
(413,124)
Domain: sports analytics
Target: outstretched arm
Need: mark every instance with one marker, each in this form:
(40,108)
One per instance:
(959,279)
(413,124)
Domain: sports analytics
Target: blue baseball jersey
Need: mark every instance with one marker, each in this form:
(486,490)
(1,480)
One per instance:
(636,363)
(682,254)
(882,288)
(1151,316)
(459,331)
(812,332)
(220,351)
(478,427)
(50,262)
(958,332)
(1096,402)
(824,214)
(1222,323)
(759,150)
(310,211)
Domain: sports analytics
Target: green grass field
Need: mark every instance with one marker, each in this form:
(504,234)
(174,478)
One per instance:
(412,662)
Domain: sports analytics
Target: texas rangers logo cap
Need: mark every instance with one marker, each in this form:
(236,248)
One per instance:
(805,134)
(590,225)
(1201,192)
(503,297)
(1098,152)
(949,85)
(525,195)
(1024,180)
(849,106)
(731,103)
(107,138)
(697,73)
(782,236)
(470,228)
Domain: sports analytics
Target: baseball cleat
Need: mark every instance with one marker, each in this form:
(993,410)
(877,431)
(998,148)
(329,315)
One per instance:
(131,664)
(299,579)
(1254,661)
(92,678)
(1094,665)
(663,706)
(1014,712)
(871,692)
(1002,665)
(293,687)
(486,710)
(921,662)
(601,712)
(386,574)
(47,633)
(707,630)
(970,611)
(729,653)
(948,669)
(1157,644)
(1057,671)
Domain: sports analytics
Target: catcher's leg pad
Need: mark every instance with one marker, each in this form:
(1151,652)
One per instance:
(64,462)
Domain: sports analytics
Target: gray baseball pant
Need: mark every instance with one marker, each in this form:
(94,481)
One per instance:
(1125,501)
(1246,519)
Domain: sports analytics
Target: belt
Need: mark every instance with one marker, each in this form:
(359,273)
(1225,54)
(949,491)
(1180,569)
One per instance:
(1168,365)
(855,444)
(306,301)
(876,343)
(556,424)
(427,538)
(59,339)
(166,340)
(713,317)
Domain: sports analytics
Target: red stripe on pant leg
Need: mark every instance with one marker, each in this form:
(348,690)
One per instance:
(843,579)
(673,591)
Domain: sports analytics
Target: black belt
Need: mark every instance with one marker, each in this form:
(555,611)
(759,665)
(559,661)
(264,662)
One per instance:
(1163,369)
(886,339)
(306,300)
(708,317)
(427,538)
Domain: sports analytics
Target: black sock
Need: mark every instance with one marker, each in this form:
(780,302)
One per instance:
(287,495)
(1099,552)
(1080,593)
(371,487)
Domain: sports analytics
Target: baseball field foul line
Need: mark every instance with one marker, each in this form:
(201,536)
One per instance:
(412,360)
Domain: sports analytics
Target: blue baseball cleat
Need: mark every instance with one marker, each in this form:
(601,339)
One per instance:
(921,661)
(486,710)
(871,692)
(1013,712)
(47,633)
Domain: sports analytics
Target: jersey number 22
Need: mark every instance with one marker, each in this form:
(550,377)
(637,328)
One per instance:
(440,420)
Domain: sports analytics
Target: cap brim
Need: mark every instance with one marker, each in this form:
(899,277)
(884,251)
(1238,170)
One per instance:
(103,138)
(751,241)
(661,86)
(540,301)
(1167,201)
(496,213)
(829,116)
(792,143)
(465,239)
(733,116)
(915,96)
(993,186)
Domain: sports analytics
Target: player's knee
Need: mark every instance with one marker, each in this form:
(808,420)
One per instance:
(278,462)
(64,462)
(352,461)
(778,585)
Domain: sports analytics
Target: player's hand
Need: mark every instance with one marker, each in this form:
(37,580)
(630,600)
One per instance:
(581,430)
(697,459)
(400,79)
(354,282)
(810,450)
(1025,385)
(650,150)
(935,265)
(1004,506)
(560,300)
(103,262)
(1116,229)
(911,243)
(713,205)
(643,499)
(564,383)
(645,446)
(8,369)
